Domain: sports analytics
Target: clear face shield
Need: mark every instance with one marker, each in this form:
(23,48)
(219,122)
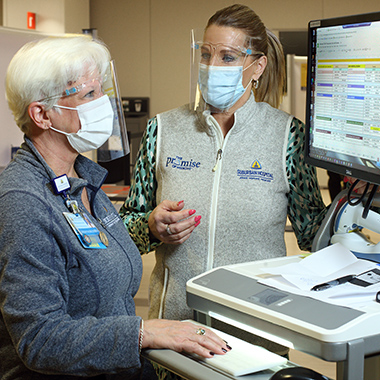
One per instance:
(117,145)
(217,78)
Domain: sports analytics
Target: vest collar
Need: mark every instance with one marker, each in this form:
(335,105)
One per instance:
(242,116)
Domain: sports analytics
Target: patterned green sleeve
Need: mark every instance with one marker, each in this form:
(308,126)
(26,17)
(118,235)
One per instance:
(306,209)
(141,199)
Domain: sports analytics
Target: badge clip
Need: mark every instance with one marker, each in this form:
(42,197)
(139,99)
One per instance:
(73,206)
(60,184)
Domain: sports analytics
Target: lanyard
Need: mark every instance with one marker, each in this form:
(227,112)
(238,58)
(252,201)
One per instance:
(84,229)
(60,185)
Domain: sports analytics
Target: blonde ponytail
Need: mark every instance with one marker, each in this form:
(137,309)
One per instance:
(271,86)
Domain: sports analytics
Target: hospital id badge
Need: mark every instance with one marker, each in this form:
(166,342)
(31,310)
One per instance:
(86,232)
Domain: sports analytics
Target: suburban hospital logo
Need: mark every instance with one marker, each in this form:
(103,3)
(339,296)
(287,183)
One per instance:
(178,162)
(256,165)
(255,172)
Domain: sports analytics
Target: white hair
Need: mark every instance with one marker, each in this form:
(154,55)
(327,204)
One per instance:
(44,68)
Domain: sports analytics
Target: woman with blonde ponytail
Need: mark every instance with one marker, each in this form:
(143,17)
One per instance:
(272,82)
(215,182)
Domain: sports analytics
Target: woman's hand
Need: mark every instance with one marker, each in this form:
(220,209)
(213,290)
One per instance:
(182,336)
(171,224)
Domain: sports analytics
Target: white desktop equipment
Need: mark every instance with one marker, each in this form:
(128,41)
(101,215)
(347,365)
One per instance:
(333,333)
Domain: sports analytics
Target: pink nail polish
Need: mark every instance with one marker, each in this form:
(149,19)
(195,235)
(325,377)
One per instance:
(197,218)
(179,203)
(197,223)
(191,212)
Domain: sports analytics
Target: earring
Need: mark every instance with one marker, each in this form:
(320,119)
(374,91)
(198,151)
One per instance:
(255,84)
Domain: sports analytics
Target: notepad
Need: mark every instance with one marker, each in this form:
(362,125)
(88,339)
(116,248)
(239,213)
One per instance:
(244,358)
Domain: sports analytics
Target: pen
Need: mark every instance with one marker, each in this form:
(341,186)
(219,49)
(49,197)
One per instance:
(329,284)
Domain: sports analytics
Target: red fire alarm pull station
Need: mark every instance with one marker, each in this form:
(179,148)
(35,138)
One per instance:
(31,20)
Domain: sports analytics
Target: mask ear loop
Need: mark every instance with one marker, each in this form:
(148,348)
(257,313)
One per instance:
(255,82)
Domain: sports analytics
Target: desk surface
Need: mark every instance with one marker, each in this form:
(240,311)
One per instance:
(332,324)
(337,334)
(192,369)
(115,192)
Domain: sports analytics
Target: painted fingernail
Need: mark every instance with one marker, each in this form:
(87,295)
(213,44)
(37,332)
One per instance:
(224,350)
(197,218)
(197,224)
(191,212)
(212,353)
(179,203)
(229,347)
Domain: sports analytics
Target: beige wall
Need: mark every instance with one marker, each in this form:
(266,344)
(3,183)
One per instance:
(125,27)
(149,39)
(52,16)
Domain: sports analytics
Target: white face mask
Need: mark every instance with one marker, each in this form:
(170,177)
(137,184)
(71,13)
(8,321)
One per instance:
(96,119)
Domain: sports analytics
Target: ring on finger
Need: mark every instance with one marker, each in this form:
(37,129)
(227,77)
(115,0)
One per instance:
(168,230)
(201,331)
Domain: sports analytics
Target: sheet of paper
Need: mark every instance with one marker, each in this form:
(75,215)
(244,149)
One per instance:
(325,265)
(335,255)
(244,358)
(306,281)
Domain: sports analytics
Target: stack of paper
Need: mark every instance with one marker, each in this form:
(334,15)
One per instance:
(244,358)
(325,265)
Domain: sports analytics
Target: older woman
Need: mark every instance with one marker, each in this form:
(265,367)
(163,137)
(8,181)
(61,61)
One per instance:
(214,184)
(68,268)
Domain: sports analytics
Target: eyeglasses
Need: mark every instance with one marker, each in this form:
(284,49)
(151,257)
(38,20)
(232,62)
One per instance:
(223,54)
(90,89)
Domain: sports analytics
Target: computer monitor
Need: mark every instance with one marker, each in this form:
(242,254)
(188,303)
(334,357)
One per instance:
(343,96)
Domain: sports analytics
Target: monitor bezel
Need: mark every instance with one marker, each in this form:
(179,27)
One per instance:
(357,173)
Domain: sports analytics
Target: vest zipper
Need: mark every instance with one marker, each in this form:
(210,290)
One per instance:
(214,203)
(218,158)
(163,294)
(222,141)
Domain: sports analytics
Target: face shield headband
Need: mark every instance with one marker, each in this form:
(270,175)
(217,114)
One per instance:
(217,72)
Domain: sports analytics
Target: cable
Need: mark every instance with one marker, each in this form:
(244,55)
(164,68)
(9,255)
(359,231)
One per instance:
(369,201)
(360,199)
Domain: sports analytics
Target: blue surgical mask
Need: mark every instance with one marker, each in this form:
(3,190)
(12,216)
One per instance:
(221,86)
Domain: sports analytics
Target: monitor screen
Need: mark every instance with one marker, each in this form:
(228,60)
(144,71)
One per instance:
(343,96)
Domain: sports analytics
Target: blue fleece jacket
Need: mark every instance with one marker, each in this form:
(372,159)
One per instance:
(65,310)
